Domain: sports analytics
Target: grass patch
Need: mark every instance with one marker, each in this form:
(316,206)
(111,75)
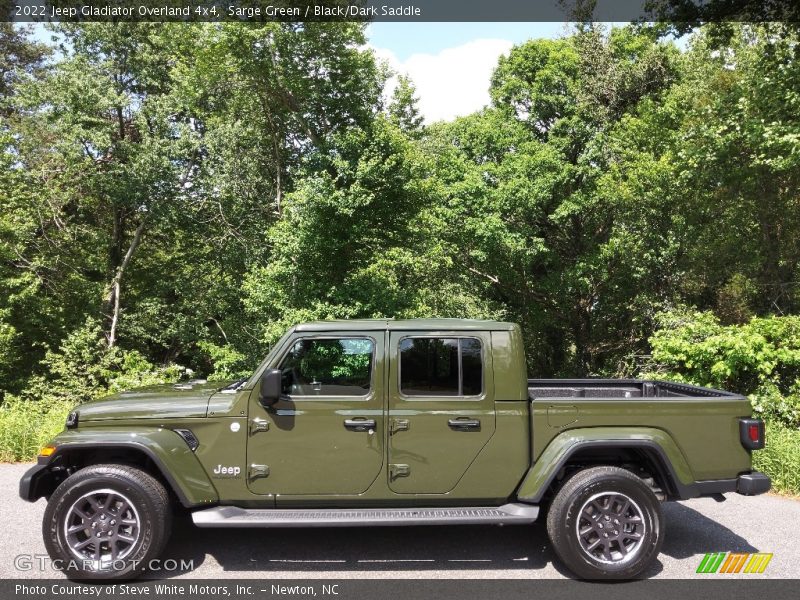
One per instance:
(780,459)
(26,426)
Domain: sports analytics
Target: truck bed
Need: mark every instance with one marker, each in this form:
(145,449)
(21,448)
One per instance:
(618,388)
(696,419)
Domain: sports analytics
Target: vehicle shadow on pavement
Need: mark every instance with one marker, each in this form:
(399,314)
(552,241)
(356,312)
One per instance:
(690,533)
(477,547)
(360,548)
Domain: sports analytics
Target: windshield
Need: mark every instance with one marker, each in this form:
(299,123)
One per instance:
(249,383)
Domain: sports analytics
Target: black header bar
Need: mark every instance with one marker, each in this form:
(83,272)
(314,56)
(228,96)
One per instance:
(684,11)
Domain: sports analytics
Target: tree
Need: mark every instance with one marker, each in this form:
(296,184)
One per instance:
(403,108)
(365,244)
(536,221)
(738,164)
(19,57)
(191,190)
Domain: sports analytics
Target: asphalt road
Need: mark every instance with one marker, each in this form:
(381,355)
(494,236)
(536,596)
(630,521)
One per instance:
(762,524)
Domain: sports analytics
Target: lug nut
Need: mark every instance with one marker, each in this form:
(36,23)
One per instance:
(99,534)
(113,521)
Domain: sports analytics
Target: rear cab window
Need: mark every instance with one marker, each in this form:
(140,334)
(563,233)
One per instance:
(440,366)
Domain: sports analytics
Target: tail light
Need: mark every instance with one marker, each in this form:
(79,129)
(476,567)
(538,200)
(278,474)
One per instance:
(751,433)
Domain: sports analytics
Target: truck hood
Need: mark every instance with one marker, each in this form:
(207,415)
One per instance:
(170,401)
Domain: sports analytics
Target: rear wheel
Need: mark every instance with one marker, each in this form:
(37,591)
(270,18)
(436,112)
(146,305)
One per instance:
(106,522)
(606,523)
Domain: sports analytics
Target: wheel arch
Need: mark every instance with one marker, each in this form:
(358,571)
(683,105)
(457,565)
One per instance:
(652,449)
(159,452)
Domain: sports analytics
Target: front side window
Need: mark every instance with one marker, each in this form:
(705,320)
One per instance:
(328,367)
(440,366)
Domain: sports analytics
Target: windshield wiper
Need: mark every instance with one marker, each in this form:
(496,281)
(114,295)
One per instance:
(234,387)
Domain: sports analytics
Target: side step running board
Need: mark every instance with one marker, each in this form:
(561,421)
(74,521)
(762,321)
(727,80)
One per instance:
(233,516)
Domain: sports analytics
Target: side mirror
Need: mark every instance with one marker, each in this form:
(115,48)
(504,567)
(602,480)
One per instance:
(270,390)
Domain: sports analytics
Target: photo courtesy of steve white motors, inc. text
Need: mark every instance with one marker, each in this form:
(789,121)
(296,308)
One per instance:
(195,590)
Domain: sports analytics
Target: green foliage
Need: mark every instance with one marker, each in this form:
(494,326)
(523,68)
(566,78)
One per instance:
(345,362)
(737,357)
(727,136)
(531,208)
(27,426)
(403,109)
(84,368)
(359,239)
(19,57)
(780,459)
(180,194)
(778,407)
(760,359)
(227,362)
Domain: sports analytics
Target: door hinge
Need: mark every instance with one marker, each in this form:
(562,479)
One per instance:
(396,471)
(257,425)
(257,472)
(398,425)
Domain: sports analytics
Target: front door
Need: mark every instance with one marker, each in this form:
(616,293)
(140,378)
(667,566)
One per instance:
(441,408)
(325,435)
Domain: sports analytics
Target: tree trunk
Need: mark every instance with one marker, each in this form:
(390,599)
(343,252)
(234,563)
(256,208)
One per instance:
(582,338)
(115,291)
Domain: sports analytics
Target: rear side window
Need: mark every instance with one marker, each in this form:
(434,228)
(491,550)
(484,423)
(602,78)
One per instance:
(441,366)
(328,367)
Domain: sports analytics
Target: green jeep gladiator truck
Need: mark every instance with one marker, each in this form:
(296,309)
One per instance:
(390,422)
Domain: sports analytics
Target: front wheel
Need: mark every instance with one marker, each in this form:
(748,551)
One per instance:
(106,522)
(606,523)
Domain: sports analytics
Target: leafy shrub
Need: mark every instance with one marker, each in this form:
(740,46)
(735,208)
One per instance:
(759,359)
(26,426)
(84,368)
(772,406)
(780,459)
(228,362)
(696,347)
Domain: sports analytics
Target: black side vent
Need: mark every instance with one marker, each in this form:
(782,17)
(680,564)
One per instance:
(188,437)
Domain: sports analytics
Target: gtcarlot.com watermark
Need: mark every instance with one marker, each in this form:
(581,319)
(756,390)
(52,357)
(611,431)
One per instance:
(42,562)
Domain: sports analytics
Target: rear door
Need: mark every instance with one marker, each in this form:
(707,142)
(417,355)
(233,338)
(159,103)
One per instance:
(325,435)
(441,407)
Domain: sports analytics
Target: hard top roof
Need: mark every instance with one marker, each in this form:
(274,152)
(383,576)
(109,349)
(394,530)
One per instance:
(405,325)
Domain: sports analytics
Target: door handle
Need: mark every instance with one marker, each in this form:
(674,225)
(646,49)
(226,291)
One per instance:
(360,424)
(464,424)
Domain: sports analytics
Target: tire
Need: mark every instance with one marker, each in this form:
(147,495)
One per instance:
(126,509)
(606,523)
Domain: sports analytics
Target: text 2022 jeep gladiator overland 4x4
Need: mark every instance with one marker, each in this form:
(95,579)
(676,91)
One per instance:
(382,422)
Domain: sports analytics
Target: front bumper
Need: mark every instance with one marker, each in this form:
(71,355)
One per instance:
(753,484)
(36,482)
